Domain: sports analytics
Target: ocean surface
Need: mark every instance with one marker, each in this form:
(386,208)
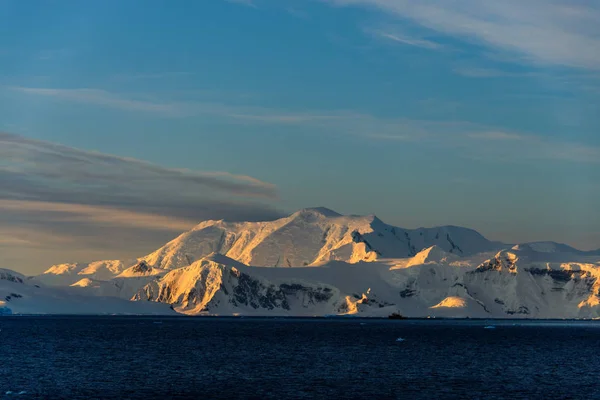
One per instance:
(151,358)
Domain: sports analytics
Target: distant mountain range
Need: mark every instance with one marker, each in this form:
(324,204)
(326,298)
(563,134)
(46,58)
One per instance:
(317,262)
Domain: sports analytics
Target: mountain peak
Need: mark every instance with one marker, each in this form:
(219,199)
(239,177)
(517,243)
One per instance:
(545,247)
(433,254)
(11,276)
(317,211)
(376,221)
(219,258)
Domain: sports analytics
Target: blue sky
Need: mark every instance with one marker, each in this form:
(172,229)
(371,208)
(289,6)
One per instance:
(474,113)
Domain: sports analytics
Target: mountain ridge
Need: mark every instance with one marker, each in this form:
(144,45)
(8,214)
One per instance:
(359,238)
(319,234)
(317,262)
(507,284)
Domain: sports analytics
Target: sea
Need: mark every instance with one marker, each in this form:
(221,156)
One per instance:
(293,358)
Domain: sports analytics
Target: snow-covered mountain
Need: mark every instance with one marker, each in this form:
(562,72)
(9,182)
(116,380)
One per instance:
(554,248)
(312,236)
(67,274)
(307,237)
(21,295)
(318,262)
(510,284)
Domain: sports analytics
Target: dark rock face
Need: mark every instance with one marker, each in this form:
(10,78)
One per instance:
(557,275)
(376,303)
(5,276)
(192,297)
(240,290)
(142,268)
(453,247)
(408,292)
(12,296)
(521,310)
(314,295)
(164,294)
(496,264)
(251,292)
(412,249)
(358,238)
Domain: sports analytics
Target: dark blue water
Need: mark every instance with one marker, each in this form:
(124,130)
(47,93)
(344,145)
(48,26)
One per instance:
(148,358)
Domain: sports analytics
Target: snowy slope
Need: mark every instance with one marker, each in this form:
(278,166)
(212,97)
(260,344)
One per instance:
(511,284)
(525,283)
(222,286)
(19,295)
(123,285)
(519,282)
(310,237)
(67,274)
(554,248)
(141,269)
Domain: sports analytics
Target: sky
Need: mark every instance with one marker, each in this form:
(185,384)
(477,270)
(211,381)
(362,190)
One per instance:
(126,122)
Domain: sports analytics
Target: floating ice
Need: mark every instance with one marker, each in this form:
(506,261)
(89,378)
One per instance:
(400,339)
(9,392)
(489,327)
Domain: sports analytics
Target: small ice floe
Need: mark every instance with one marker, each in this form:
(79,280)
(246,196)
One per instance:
(158,322)
(363,323)
(10,392)
(489,327)
(400,339)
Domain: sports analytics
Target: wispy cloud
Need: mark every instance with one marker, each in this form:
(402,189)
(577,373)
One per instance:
(394,138)
(176,109)
(470,140)
(527,147)
(555,32)
(272,116)
(106,216)
(151,75)
(341,123)
(496,135)
(464,137)
(248,3)
(30,167)
(107,99)
(477,72)
(82,196)
(298,13)
(405,40)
